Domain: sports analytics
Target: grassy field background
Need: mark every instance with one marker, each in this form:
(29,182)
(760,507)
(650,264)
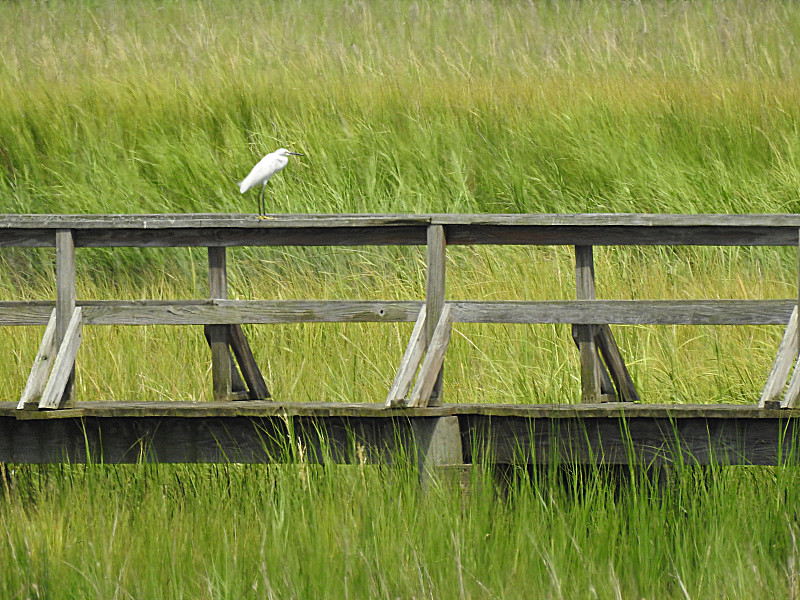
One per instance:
(444,106)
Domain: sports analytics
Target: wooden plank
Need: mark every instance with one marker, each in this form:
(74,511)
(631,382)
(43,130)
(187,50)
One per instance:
(40,370)
(254,380)
(261,408)
(162,221)
(612,357)
(54,395)
(619,236)
(311,230)
(630,440)
(607,390)
(652,220)
(792,390)
(435,295)
(585,334)
(218,432)
(259,312)
(628,312)
(409,363)
(590,365)
(218,334)
(237,383)
(503,235)
(431,366)
(233,236)
(584,272)
(65,298)
(65,281)
(218,312)
(787,352)
(205,312)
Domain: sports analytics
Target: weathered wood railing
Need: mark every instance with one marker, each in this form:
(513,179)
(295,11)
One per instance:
(603,372)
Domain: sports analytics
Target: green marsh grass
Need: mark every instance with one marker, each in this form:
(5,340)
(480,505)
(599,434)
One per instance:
(306,531)
(400,106)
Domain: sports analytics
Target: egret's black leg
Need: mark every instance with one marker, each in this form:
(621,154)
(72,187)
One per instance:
(261,208)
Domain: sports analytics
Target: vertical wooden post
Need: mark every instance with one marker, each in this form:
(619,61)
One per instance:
(438,444)
(585,334)
(434,294)
(65,300)
(218,334)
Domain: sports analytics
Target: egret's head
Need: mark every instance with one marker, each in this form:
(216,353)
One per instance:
(285,152)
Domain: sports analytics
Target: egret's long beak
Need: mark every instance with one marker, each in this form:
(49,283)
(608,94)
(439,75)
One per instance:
(295,154)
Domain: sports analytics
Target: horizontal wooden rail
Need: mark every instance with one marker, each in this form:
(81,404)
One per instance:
(628,312)
(217,312)
(205,230)
(590,312)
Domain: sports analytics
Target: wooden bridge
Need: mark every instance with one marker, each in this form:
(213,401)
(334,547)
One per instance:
(609,426)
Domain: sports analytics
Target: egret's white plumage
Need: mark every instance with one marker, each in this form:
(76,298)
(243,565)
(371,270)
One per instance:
(264,169)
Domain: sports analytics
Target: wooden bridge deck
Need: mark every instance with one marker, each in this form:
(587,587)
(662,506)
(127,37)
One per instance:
(260,431)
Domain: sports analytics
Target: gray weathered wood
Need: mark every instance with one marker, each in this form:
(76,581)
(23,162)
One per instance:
(438,443)
(539,229)
(628,312)
(41,367)
(787,353)
(132,432)
(54,395)
(237,383)
(432,364)
(612,357)
(344,410)
(221,376)
(65,298)
(607,390)
(793,389)
(409,363)
(585,334)
(435,294)
(253,379)
(65,281)
(206,312)
(161,221)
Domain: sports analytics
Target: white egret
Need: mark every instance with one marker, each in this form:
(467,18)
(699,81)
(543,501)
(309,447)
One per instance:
(261,173)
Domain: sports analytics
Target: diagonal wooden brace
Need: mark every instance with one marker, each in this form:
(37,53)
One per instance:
(409,363)
(231,354)
(776,381)
(253,379)
(615,382)
(53,395)
(615,364)
(434,359)
(41,368)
